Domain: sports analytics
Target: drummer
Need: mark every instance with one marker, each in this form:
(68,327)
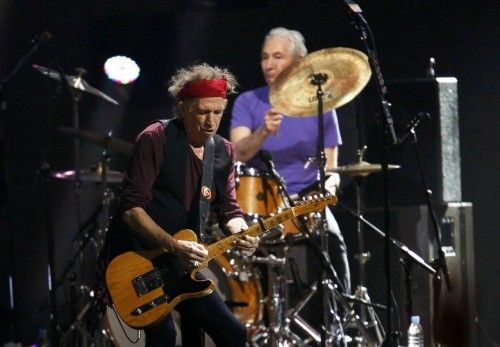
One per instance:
(292,141)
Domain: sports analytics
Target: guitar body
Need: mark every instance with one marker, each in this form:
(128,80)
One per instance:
(146,285)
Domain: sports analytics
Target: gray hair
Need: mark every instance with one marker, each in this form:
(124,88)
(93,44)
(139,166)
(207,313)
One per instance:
(199,72)
(297,41)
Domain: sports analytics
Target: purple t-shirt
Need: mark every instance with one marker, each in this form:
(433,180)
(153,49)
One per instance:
(295,143)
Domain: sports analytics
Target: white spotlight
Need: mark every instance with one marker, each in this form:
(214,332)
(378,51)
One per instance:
(121,69)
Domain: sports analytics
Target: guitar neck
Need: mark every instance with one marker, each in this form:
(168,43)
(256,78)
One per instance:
(226,243)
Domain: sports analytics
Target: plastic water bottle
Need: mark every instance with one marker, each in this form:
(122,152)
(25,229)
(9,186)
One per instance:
(415,333)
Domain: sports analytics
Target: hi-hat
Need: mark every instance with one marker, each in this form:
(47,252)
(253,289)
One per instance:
(347,72)
(362,168)
(75,82)
(93,175)
(112,143)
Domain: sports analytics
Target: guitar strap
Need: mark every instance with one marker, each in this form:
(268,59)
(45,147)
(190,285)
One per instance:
(206,185)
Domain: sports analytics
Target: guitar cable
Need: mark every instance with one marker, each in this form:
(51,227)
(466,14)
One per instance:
(124,330)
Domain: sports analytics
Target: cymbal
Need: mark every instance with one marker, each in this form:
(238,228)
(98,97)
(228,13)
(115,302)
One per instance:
(347,72)
(113,143)
(362,168)
(92,176)
(75,82)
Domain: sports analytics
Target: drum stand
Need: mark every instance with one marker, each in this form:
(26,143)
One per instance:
(367,313)
(98,223)
(278,332)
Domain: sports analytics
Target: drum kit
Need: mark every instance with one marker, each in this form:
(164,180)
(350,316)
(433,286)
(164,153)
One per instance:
(327,78)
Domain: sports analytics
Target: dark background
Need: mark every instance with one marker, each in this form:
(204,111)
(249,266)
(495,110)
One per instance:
(463,37)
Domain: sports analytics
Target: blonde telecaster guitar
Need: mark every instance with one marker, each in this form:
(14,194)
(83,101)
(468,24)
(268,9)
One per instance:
(145,286)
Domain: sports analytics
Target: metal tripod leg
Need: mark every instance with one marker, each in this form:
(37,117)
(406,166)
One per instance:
(370,320)
(278,332)
(368,316)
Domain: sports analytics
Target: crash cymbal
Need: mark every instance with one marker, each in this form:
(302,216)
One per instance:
(362,168)
(92,176)
(112,143)
(75,82)
(347,72)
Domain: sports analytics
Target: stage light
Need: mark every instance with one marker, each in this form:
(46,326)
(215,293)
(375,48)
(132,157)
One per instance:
(121,69)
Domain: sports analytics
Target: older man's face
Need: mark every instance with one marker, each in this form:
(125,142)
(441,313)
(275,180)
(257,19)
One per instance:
(201,118)
(275,57)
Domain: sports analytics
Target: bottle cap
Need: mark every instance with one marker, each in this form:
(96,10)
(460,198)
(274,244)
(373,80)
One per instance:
(415,319)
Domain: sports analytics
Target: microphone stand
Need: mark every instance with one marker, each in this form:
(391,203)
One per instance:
(267,158)
(35,43)
(389,138)
(440,263)
(409,257)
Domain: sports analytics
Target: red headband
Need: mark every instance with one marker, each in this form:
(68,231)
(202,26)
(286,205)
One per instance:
(204,89)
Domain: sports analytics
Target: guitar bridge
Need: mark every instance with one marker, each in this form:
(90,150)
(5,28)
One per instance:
(150,305)
(147,282)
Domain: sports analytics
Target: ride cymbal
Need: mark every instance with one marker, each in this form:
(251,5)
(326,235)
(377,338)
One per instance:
(347,72)
(362,168)
(112,143)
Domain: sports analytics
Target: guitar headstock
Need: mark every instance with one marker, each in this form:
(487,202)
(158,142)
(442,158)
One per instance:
(313,204)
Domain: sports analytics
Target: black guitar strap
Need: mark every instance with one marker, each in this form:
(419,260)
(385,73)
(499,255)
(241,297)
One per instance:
(206,185)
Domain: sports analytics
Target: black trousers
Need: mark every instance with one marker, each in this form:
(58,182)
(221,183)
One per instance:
(206,314)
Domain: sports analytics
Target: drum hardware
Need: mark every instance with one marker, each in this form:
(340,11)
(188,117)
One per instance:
(277,332)
(92,231)
(367,314)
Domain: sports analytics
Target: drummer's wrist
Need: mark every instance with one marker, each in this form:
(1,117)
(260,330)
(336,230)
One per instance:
(262,132)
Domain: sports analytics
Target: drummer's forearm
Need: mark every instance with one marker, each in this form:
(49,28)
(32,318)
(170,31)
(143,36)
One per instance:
(248,146)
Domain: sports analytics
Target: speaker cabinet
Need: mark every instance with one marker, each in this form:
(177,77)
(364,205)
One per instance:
(437,143)
(448,318)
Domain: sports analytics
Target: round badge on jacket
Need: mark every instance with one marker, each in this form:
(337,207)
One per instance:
(206,192)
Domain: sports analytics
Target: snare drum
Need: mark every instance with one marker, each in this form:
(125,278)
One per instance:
(256,192)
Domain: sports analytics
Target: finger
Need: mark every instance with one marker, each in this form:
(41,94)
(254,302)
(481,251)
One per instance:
(242,244)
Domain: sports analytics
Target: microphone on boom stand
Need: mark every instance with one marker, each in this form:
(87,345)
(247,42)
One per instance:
(267,158)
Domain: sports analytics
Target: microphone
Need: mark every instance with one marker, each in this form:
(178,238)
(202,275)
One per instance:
(353,7)
(412,124)
(355,11)
(267,158)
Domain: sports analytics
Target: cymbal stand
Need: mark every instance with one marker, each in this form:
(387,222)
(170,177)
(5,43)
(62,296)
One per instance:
(278,332)
(337,300)
(100,224)
(367,314)
(331,330)
(76,96)
(105,192)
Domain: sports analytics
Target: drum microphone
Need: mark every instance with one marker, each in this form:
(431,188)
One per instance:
(267,158)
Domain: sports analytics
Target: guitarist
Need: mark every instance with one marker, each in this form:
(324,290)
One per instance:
(163,193)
